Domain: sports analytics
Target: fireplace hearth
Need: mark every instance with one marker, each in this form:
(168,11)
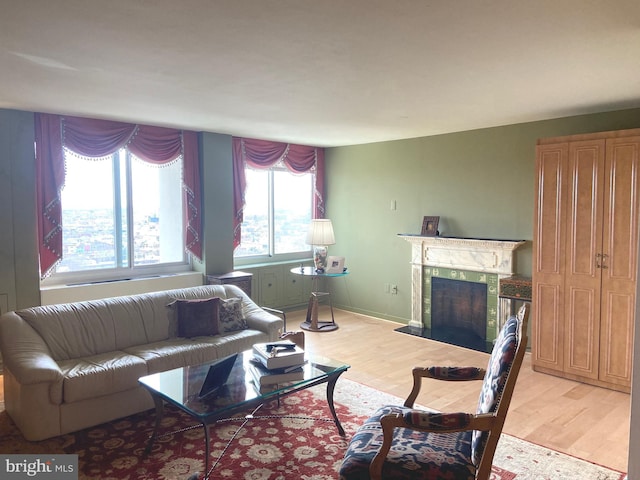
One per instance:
(458,337)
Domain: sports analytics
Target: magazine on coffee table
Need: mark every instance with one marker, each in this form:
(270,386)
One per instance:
(263,376)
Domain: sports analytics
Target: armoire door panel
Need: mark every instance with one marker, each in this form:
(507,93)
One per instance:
(621,210)
(547,333)
(584,243)
(582,332)
(585,181)
(620,244)
(616,338)
(549,218)
(548,261)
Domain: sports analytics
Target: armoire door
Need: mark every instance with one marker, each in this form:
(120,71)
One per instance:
(585,182)
(548,262)
(619,266)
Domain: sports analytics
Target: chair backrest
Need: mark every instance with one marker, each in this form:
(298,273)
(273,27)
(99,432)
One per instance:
(497,387)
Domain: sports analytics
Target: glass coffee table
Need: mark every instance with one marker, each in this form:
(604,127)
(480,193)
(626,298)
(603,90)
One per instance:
(181,387)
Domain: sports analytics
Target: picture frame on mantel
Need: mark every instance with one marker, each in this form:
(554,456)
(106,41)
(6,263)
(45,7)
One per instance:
(430,226)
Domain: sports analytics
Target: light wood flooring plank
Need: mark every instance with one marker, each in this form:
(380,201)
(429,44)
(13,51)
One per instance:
(578,419)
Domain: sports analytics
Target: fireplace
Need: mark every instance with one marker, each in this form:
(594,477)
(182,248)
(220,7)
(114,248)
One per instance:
(455,283)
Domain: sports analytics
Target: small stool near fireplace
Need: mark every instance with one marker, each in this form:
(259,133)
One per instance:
(513,289)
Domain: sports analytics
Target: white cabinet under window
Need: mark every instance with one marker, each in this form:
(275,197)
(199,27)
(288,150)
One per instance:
(270,286)
(277,287)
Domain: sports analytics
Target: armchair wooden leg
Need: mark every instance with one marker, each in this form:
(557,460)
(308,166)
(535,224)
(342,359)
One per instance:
(388,424)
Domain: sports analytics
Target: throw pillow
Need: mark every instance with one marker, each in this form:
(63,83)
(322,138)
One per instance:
(198,317)
(231,318)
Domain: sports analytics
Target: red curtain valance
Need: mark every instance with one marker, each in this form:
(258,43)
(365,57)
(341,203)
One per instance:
(98,138)
(265,154)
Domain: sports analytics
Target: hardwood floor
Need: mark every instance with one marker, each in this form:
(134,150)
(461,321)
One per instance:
(584,421)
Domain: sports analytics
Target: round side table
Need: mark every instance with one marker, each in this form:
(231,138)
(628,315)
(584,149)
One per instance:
(312,324)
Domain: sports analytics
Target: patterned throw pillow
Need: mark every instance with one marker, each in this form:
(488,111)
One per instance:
(197,318)
(231,318)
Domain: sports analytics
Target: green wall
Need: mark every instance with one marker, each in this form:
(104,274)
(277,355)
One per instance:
(480,183)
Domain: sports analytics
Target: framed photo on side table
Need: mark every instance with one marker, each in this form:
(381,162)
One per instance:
(335,264)
(429,226)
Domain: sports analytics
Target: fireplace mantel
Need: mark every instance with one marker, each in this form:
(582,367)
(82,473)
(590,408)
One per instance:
(476,254)
(471,254)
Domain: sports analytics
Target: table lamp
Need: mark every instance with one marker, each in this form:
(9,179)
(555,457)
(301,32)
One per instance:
(320,235)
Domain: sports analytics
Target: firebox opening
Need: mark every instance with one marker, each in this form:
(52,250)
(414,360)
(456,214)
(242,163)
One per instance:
(458,314)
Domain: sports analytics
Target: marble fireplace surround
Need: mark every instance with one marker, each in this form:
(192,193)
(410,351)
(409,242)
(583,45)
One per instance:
(458,254)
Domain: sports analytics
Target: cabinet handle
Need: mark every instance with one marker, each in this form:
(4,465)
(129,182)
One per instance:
(600,259)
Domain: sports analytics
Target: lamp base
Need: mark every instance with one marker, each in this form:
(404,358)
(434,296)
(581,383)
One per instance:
(320,258)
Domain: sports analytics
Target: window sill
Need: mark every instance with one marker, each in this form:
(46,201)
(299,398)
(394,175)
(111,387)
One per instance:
(55,294)
(306,261)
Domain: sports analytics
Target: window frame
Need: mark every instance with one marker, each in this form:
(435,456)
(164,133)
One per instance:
(271,256)
(130,272)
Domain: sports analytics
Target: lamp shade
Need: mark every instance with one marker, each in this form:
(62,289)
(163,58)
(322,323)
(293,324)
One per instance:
(321,232)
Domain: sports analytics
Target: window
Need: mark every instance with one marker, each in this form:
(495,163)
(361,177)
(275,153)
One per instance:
(277,213)
(120,215)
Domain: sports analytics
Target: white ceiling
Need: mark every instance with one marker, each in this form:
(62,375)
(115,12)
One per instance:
(322,72)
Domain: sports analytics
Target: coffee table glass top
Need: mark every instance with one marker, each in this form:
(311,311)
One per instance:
(181,386)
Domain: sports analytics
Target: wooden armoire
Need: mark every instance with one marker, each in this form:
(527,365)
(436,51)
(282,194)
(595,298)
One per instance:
(585,257)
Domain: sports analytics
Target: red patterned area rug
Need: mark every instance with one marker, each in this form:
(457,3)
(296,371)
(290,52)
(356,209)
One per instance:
(271,448)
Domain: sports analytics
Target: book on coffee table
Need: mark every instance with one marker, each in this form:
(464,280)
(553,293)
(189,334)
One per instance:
(275,355)
(262,376)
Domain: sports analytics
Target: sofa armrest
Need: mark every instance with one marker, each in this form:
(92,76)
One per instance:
(280,313)
(257,318)
(260,319)
(25,353)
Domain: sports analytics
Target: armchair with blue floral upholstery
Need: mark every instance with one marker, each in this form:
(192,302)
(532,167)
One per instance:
(400,442)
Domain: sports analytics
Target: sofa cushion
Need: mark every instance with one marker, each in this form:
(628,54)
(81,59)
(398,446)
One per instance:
(174,353)
(83,329)
(101,374)
(197,318)
(237,341)
(231,318)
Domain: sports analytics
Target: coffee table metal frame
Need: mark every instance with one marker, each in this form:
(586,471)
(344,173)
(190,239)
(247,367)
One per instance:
(180,387)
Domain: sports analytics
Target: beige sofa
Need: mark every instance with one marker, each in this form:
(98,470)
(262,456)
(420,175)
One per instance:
(72,366)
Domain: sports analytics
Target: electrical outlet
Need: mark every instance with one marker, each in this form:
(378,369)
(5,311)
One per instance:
(387,288)
(394,289)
